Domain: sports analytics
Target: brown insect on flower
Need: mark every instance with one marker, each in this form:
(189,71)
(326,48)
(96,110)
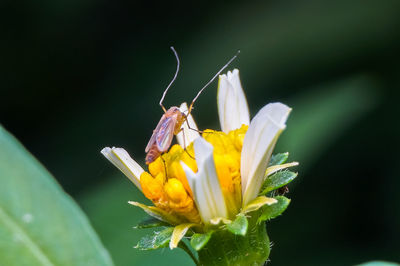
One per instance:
(283,190)
(172,119)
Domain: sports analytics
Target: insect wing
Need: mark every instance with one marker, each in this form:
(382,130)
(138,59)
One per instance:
(165,133)
(151,141)
(155,132)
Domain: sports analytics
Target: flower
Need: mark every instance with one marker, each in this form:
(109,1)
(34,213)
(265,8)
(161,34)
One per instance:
(214,178)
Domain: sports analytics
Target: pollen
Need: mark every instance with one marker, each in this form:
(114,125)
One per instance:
(166,184)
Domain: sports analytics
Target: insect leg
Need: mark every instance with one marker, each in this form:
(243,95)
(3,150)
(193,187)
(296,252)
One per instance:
(200,131)
(165,168)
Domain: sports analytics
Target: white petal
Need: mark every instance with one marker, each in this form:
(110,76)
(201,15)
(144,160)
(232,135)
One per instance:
(205,184)
(232,105)
(121,159)
(258,144)
(187,135)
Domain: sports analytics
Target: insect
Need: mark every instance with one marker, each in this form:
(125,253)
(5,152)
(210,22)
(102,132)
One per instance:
(172,119)
(283,190)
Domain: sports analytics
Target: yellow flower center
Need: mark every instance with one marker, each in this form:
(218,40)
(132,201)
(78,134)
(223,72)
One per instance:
(167,187)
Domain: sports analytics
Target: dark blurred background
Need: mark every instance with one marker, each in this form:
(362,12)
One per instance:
(80,75)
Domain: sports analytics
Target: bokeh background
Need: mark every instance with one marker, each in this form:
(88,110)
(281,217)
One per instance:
(80,75)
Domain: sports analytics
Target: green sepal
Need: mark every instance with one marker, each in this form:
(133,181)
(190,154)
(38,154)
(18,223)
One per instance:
(239,225)
(278,158)
(198,241)
(155,240)
(150,222)
(274,210)
(225,248)
(277,180)
(257,203)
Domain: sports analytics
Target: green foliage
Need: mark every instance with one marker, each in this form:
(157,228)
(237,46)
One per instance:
(39,223)
(317,121)
(239,225)
(274,210)
(279,158)
(277,180)
(150,222)
(379,263)
(198,241)
(158,239)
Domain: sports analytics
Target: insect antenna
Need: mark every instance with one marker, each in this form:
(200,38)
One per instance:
(213,78)
(172,81)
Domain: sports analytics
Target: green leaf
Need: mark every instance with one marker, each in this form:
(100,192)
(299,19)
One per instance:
(316,122)
(379,263)
(198,241)
(277,180)
(39,222)
(150,222)
(278,158)
(272,211)
(155,240)
(239,225)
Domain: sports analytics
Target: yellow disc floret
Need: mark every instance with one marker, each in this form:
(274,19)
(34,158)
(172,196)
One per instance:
(167,187)
(180,201)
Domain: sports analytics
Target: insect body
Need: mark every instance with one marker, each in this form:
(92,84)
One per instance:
(283,190)
(172,119)
(169,125)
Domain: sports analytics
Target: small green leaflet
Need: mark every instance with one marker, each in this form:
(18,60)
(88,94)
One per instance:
(198,241)
(274,210)
(150,222)
(239,225)
(277,180)
(155,240)
(278,158)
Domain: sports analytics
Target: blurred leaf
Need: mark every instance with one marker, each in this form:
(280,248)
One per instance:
(198,241)
(379,263)
(321,116)
(277,180)
(270,212)
(150,222)
(239,225)
(279,158)
(39,223)
(158,239)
